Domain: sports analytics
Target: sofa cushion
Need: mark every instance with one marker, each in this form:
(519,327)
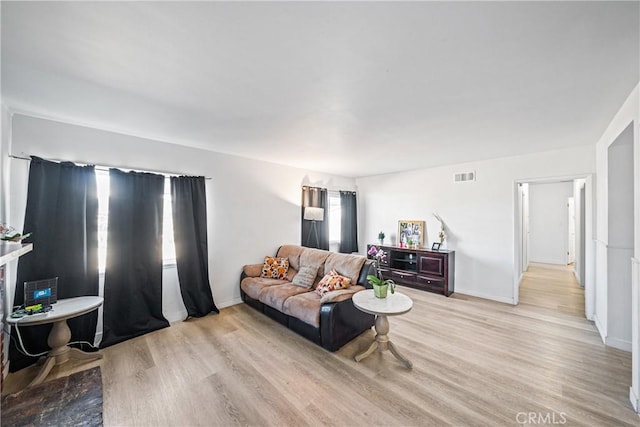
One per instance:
(275,267)
(305,307)
(253,285)
(332,282)
(306,276)
(293,253)
(314,258)
(346,265)
(275,296)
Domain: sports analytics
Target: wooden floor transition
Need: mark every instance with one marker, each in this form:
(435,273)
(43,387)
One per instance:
(476,362)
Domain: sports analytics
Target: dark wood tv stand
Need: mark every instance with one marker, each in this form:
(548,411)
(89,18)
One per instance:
(432,271)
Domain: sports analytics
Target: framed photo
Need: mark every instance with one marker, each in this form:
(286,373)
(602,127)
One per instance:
(411,231)
(436,246)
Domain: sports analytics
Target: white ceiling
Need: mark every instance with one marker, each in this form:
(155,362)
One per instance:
(347,88)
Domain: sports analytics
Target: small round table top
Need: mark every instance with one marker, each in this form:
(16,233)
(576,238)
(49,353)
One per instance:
(61,310)
(392,305)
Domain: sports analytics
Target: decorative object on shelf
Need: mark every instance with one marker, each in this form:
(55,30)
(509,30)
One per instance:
(410,231)
(441,234)
(436,246)
(9,234)
(381,237)
(379,283)
(313,214)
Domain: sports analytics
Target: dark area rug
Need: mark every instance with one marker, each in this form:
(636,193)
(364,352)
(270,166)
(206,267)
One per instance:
(75,400)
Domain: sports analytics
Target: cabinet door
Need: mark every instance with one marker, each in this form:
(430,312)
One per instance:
(431,264)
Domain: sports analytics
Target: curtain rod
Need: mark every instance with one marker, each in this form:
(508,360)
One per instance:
(106,167)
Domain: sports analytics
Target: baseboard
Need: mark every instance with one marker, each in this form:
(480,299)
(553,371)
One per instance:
(600,329)
(635,402)
(229,303)
(489,297)
(619,344)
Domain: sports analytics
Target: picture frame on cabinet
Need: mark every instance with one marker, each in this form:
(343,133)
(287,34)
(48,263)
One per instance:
(436,246)
(411,230)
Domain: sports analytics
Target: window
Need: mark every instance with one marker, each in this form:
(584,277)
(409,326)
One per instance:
(168,247)
(334,217)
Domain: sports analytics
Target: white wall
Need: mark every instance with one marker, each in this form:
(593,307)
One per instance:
(620,239)
(253,206)
(479,215)
(548,225)
(629,113)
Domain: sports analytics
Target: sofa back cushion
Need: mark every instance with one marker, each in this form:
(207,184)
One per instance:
(314,258)
(346,265)
(292,252)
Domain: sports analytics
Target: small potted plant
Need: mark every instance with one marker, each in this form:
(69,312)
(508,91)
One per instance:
(381,237)
(378,282)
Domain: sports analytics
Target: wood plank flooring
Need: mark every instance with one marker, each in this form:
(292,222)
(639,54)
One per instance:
(476,362)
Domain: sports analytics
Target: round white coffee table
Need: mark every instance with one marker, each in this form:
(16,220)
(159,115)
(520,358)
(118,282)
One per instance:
(60,333)
(394,305)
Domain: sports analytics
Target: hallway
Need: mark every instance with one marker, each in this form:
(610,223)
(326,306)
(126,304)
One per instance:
(552,287)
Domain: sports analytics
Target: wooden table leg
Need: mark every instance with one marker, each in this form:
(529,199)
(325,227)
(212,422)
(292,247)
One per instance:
(60,352)
(383,343)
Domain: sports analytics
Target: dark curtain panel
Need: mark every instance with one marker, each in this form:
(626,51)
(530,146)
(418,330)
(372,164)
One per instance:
(133,275)
(348,222)
(62,213)
(189,202)
(315,197)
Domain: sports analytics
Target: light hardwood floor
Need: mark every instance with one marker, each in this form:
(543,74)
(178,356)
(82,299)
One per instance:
(476,362)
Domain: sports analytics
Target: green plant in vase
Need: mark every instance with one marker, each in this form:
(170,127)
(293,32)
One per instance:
(380,286)
(378,282)
(381,237)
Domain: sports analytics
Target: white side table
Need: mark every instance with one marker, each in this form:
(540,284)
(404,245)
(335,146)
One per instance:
(394,305)
(60,333)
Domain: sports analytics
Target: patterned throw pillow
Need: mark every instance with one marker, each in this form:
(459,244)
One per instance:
(306,276)
(275,268)
(332,282)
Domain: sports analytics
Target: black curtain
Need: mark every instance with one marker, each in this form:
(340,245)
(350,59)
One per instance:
(133,275)
(62,214)
(348,222)
(315,197)
(189,203)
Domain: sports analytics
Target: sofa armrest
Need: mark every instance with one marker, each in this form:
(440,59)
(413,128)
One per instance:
(367,269)
(340,294)
(340,322)
(252,270)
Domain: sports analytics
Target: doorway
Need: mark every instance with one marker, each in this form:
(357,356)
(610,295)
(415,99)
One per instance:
(553,223)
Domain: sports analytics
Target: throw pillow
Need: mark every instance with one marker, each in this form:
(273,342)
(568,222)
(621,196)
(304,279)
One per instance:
(305,277)
(275,268)
(332,281)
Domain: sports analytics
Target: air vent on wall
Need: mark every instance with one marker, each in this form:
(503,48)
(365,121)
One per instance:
(463,177)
